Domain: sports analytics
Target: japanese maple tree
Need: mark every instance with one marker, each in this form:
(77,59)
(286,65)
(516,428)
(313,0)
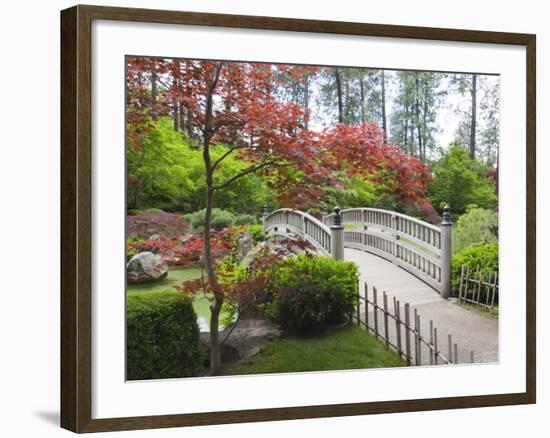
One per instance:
(363,150)
(233,104)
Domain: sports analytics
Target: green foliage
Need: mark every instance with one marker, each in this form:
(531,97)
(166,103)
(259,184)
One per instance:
(134,212)
(479,255)
(158,172)
(354,192)
(474,226)
(220,219)
(423,211)
(167,172)
(460,181)
(310,292)
(256,231)
(162,336)
(245,219)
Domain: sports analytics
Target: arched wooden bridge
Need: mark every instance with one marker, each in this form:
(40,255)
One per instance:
(407,258)
(419,248)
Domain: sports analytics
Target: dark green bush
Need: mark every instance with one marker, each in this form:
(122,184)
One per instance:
(134,212)
(480,255)
(311,292)
(220,219)
(245,219)
(162,336)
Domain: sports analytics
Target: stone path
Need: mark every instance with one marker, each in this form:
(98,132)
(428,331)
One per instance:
(470,330)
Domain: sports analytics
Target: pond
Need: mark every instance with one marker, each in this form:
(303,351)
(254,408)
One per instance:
(176,276)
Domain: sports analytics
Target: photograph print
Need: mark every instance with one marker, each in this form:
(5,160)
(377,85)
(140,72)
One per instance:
(298,218)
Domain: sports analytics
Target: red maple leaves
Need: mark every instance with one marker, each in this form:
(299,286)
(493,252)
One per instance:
(250,117)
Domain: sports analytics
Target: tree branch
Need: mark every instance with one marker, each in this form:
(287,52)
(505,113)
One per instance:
(226,154)
(244,172)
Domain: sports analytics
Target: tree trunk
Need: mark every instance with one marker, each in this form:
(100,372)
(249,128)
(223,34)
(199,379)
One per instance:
(175,115)
(216,305)
(425,119)
(154,114)
(405,146)
(348,111)
(417,117)
(362,89)
(181,116)
(411,130)
(384,121)
(339,93)
(217,292)
(406,130)
(306,101)
(175,108)
(190,123)
(473,118)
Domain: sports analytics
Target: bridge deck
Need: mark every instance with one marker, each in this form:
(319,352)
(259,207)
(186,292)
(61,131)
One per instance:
(388,277)
(469,330)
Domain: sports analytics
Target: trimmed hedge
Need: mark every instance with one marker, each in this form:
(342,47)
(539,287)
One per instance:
(162,336)
(482,255)
(310,292)
(220,219)
(245,219)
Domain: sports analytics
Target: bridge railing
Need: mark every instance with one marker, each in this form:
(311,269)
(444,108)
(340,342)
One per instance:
(417,246)
(287,221)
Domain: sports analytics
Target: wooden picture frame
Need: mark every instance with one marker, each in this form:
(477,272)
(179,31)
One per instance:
(76,217)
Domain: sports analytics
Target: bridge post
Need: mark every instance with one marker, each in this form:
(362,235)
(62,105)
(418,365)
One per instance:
(265,214)
(446,253)
(337,236)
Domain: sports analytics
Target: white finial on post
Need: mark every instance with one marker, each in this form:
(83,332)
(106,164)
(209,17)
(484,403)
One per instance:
(446,253)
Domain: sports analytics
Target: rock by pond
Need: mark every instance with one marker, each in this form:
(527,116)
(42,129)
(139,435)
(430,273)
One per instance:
(146,267)
(246,337)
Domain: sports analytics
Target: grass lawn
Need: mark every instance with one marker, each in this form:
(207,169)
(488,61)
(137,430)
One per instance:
(338,349)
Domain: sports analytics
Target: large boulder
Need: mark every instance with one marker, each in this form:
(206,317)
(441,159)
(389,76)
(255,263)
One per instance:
(244,244)
(283,247)
(243,339)
(144,267)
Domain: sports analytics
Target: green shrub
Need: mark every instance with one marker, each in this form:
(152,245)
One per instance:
(477,225)
(310,292)
(134,212)
(133,247)
(154,210)
(256,231)
(245,219)
(460,181)
(220,219)
(162,336)
(479,255)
